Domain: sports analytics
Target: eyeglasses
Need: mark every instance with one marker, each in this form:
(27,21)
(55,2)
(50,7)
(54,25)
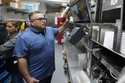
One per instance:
(42,18)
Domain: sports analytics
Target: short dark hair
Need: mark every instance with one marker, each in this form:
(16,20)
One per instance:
(32,13)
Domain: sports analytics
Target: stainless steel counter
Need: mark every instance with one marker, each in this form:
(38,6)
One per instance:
(75,68)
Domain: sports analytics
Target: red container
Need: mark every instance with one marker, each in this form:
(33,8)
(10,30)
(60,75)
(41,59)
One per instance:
(60,38)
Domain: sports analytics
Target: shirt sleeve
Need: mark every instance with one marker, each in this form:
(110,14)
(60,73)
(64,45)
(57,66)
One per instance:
(21,48)
(55,30)
(10,44)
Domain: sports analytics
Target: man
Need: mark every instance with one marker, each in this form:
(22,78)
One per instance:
(35,50)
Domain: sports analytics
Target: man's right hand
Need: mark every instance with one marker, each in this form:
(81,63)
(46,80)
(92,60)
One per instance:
(32,80)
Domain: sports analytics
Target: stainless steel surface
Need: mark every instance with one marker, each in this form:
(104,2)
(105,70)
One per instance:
(112,4)
(59,76)
(75,68)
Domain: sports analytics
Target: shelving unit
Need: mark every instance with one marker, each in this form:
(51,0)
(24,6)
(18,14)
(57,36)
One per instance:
(109,17)
(112,12)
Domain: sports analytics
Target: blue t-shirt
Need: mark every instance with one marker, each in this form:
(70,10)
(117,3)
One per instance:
(39,51)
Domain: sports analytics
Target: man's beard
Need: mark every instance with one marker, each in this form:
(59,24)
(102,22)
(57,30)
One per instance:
(43,31)
(40,28)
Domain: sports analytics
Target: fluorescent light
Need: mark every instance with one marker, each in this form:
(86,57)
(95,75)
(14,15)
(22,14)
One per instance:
(65,1)
(64,4)
(30,6)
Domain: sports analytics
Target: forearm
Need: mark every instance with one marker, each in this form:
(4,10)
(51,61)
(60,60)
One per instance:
(23,68)
(63,27)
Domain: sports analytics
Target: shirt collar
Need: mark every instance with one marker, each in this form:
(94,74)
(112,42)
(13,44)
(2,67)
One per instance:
(35,30)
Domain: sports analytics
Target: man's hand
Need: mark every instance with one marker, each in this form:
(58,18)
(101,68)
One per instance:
(63,26)
(32,80)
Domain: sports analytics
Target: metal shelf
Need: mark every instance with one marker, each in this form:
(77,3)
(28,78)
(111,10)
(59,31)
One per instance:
(116,7)
(111,4)
(114,52)
(108,65)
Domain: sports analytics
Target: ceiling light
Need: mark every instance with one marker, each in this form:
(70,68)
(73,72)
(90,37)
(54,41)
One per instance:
(64,4)
(59,0)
